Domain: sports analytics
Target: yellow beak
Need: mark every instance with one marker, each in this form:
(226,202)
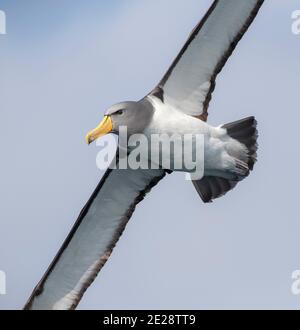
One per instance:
(104,128)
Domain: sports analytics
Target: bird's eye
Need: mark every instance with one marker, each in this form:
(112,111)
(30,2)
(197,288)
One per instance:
(120,112)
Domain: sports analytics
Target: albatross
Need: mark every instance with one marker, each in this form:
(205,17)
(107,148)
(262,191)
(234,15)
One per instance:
(178,104)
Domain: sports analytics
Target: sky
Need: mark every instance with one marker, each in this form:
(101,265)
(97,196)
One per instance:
(62,64)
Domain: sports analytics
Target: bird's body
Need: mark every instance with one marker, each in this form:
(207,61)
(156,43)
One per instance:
(177,105)
(220,151)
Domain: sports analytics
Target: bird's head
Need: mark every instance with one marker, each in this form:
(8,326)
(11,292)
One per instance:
(133,115)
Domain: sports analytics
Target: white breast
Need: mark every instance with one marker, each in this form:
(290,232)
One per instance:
(170,121)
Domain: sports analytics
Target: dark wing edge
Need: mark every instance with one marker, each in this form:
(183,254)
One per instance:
(102,261)
(158,91)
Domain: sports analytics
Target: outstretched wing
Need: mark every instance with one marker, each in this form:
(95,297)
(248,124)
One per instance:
(190,81)
(92,239)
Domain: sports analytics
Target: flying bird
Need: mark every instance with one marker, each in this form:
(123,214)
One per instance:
(178,104)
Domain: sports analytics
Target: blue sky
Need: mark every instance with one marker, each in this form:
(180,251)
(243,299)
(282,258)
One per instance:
(52,16)
(62,64)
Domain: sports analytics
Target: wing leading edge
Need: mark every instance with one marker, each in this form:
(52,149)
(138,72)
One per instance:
(190,81)
(92,239)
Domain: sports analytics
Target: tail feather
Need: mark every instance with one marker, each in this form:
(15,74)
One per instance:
(212,187)
(245,131)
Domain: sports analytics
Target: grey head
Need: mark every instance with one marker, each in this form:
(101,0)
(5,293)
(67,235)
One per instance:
(135,116)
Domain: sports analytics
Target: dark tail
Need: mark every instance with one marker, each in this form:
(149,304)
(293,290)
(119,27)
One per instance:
(245,131)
